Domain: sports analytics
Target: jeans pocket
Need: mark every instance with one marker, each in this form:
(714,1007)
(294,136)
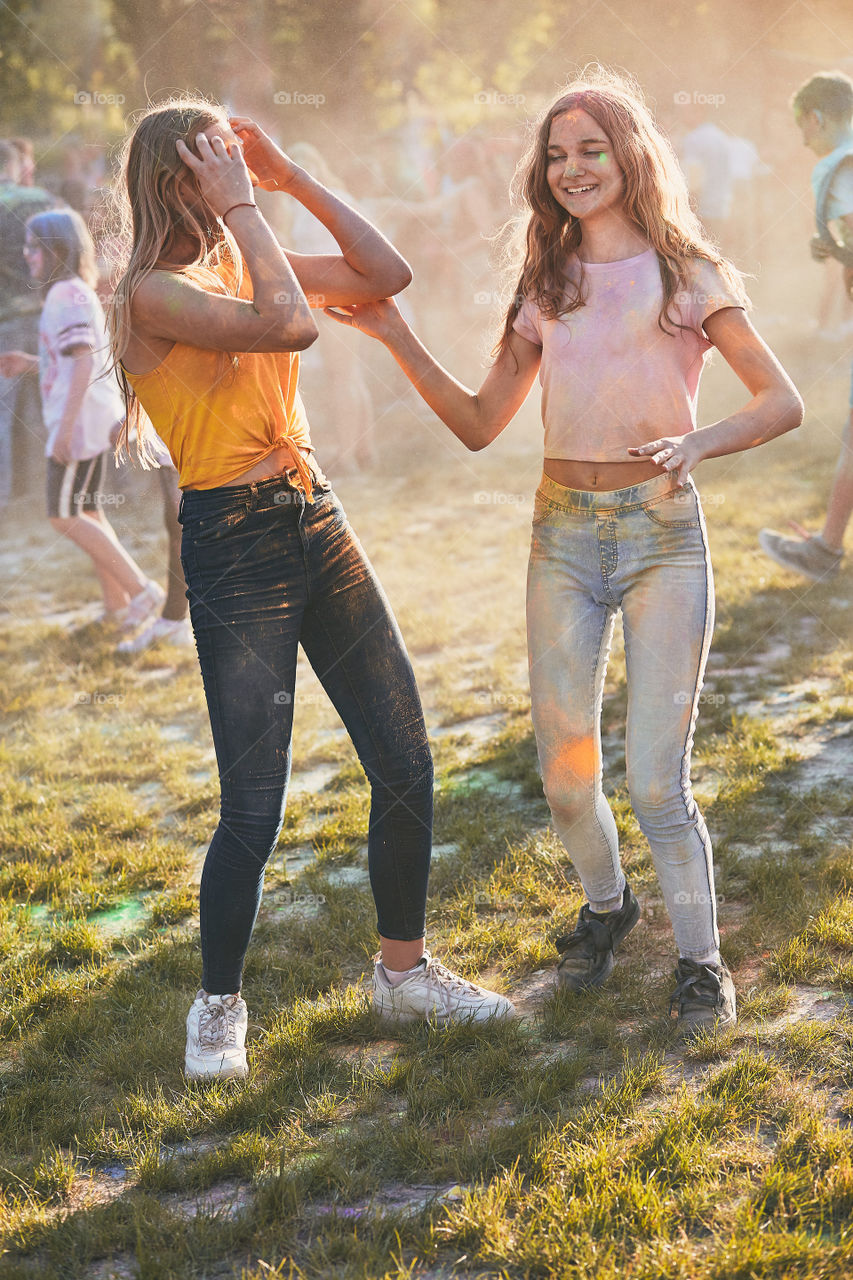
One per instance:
(215,524)
(542,509)
(678,509)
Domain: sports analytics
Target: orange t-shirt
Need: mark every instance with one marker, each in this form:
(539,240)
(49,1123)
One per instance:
(218,424)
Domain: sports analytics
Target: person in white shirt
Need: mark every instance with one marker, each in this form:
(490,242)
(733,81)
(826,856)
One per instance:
(709,163)
(81,406)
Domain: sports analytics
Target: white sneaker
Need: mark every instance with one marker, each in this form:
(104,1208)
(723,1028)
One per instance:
(140,606)
(434,991)
(216,1038)
(169,631)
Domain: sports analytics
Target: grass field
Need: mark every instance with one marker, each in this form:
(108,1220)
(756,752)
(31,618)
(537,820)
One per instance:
(580,1142)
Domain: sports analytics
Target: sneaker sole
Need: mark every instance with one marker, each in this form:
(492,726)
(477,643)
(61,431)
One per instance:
(768,550)
(567,982)
(392,1017)
(691,1031)
(196,1069)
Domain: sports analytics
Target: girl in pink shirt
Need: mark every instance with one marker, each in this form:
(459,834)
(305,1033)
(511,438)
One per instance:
(620,295)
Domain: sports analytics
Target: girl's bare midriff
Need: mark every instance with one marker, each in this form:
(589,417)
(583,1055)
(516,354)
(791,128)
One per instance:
(573,474)
(272,465)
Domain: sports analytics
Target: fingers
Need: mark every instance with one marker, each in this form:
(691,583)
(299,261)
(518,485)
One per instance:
(208,149)
(187,156)
(202,146)
(661,453)
(341,316)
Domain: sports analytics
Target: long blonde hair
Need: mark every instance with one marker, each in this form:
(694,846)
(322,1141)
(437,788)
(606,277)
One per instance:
(537,243)
(148,210)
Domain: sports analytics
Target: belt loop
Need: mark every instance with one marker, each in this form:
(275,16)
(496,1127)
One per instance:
(181,508)
(253,494)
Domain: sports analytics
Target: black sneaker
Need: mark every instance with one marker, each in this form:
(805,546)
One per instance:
(704,998)
(587,953)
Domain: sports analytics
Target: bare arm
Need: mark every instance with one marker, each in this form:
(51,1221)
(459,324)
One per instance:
(14,363)
(475,417)
(848,271)
(169,306)
(369,266)
(775,407)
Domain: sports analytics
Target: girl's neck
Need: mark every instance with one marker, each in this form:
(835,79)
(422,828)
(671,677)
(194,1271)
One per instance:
(610,238)
(179,252)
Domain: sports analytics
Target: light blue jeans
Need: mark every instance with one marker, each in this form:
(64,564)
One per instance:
(643,549)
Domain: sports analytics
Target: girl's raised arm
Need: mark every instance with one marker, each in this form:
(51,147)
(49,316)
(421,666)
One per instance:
(278,318)
(475,417)
(369,267)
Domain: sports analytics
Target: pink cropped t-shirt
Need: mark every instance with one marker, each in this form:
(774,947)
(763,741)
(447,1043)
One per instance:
(611,378)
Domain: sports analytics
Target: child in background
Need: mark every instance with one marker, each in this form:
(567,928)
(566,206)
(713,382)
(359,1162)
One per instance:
(81,408)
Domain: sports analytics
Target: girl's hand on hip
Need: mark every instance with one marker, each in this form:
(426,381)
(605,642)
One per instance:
(223,179)
(377,319)
(267,162)
(672,453)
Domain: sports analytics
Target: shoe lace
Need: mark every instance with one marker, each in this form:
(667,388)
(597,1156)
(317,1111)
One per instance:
(451,980)
(698,984)
(217,1025)
(585,931)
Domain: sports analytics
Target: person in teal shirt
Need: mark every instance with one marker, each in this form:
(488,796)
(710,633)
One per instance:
(21,429)
(823,109)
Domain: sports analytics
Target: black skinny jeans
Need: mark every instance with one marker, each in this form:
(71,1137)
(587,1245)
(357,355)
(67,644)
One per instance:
(267,571)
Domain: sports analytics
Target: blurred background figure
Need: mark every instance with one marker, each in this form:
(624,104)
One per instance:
(748,172)
(21,426)
(823,111)
(709,164)
(82,407)
(26,161)
(452,229)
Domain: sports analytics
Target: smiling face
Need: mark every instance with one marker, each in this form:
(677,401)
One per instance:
(583,175)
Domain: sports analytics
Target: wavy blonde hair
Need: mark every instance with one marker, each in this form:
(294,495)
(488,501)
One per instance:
(537,243)
(147,212)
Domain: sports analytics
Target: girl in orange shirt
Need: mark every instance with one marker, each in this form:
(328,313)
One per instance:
(207,323)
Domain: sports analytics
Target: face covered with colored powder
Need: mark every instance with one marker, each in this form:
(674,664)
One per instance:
(583,175)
